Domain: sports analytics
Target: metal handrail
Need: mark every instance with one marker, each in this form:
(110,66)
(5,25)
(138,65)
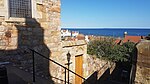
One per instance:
(33,51)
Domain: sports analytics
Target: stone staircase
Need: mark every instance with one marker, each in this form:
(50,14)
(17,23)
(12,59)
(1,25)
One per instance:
(20,76)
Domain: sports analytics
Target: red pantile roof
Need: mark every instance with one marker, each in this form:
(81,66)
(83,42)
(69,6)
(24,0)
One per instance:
(117,41)
(134,39)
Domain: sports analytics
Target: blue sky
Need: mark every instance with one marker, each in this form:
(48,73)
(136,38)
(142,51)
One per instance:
(105,13)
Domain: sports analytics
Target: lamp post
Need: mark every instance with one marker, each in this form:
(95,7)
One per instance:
(68,59)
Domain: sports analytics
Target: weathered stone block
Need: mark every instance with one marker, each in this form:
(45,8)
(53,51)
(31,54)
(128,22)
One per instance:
(2,19)
(14,41)
(2,34)
(11,48)
(2,47)
(41,8)
(3,42)
(55,54)
(55,9)
(14,33)
(2,28)
(52,45)
(45,25)
(1,3)
(55,33)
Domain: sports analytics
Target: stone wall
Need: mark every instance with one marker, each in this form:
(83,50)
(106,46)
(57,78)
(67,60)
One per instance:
(4,9)
(8,37)
(16,39)
(96,67)
(94,64)
(91,64)
(75,48)
(1,3)
(41,33)
(142,66)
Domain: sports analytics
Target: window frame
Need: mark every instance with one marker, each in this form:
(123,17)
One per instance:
(29,10)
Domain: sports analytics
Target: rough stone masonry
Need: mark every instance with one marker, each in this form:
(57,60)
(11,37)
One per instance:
(142,75)
(41,33)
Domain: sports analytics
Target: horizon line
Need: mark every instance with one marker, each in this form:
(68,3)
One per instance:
(104,27)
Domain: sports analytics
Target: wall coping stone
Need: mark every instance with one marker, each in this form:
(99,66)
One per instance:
(73,43)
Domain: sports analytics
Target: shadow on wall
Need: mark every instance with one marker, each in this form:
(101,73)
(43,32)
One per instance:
(133,68)
(93,79)
(116,77)
(104,77)
(29,35)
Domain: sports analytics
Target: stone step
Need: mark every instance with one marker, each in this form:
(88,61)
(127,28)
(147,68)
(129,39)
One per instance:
(19,76)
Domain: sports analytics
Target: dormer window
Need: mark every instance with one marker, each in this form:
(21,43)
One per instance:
(20,8)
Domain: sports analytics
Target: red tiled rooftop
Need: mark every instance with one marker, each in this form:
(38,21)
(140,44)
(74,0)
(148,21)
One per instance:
(134,39)
(117,41)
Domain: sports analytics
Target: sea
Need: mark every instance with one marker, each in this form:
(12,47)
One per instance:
(112,32)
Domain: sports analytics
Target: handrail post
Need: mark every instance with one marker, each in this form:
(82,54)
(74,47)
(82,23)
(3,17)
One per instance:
(68,72)
(65,76)
(33,67)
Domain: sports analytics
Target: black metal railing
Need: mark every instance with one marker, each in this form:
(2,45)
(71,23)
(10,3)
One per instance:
(33,57)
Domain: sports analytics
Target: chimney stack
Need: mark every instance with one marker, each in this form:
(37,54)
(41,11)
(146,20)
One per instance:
(125,34)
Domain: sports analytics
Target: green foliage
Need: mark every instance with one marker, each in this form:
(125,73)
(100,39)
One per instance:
(99,48)
(130,50)
(130,46)
(119,53)
(106,49)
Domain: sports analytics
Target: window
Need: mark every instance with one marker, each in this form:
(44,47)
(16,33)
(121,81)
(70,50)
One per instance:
(1,3)
(20,8)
